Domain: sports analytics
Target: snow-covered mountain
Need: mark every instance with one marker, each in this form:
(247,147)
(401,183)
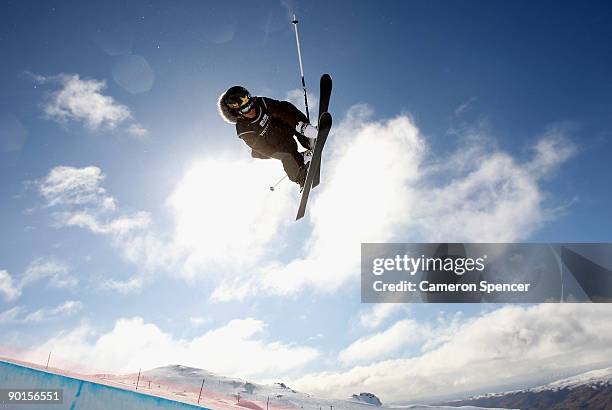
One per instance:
(590,390)
(368,398)
(219,392)
(593,378)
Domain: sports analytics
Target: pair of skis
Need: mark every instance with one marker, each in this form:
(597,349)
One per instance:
(313,176)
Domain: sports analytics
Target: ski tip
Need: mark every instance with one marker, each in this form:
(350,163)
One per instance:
(300,214)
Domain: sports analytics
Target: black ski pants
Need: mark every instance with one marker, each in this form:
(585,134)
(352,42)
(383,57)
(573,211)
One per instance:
(284,149)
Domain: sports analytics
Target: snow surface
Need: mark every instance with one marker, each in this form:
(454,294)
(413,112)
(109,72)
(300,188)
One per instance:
(276,396)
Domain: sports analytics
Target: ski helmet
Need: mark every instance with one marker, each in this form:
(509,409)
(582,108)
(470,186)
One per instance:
(238,99)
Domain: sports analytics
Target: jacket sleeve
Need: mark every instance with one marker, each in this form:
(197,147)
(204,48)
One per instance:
(258,155)
(285,111)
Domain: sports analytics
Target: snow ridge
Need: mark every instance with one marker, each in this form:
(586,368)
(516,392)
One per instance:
(599,377)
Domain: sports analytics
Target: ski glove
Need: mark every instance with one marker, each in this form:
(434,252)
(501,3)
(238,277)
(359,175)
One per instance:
(306,130)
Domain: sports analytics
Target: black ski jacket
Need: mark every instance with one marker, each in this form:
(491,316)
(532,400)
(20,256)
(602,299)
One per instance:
(272,130)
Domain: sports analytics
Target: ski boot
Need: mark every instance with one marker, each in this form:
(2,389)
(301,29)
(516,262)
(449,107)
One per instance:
(307,155)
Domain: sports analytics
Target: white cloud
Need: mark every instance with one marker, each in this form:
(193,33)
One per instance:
(83,100)
(226,215)
(52,269)
(84,203)
(67,308)
(120,225)
(465,107)
(381,183)
(77,198)
(74,186)
(55,271)
(496,201)
(128,286)
(236,349)
(379,313)
(551,151)
(296,97)
(8,289)
(404,333)
(137,130)
(10,315)
(494,198)
(551,338)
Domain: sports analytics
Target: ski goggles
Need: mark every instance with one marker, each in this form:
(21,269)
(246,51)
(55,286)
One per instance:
(244,106)
(247,107)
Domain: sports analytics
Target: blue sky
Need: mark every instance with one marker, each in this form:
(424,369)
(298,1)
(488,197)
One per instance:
(126,200)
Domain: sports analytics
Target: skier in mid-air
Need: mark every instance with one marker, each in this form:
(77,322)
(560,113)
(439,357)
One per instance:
(268,126)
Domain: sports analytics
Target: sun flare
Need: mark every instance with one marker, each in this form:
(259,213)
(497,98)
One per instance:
(225,211)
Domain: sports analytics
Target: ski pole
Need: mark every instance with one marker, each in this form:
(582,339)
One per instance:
(297,41)
(278,182)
